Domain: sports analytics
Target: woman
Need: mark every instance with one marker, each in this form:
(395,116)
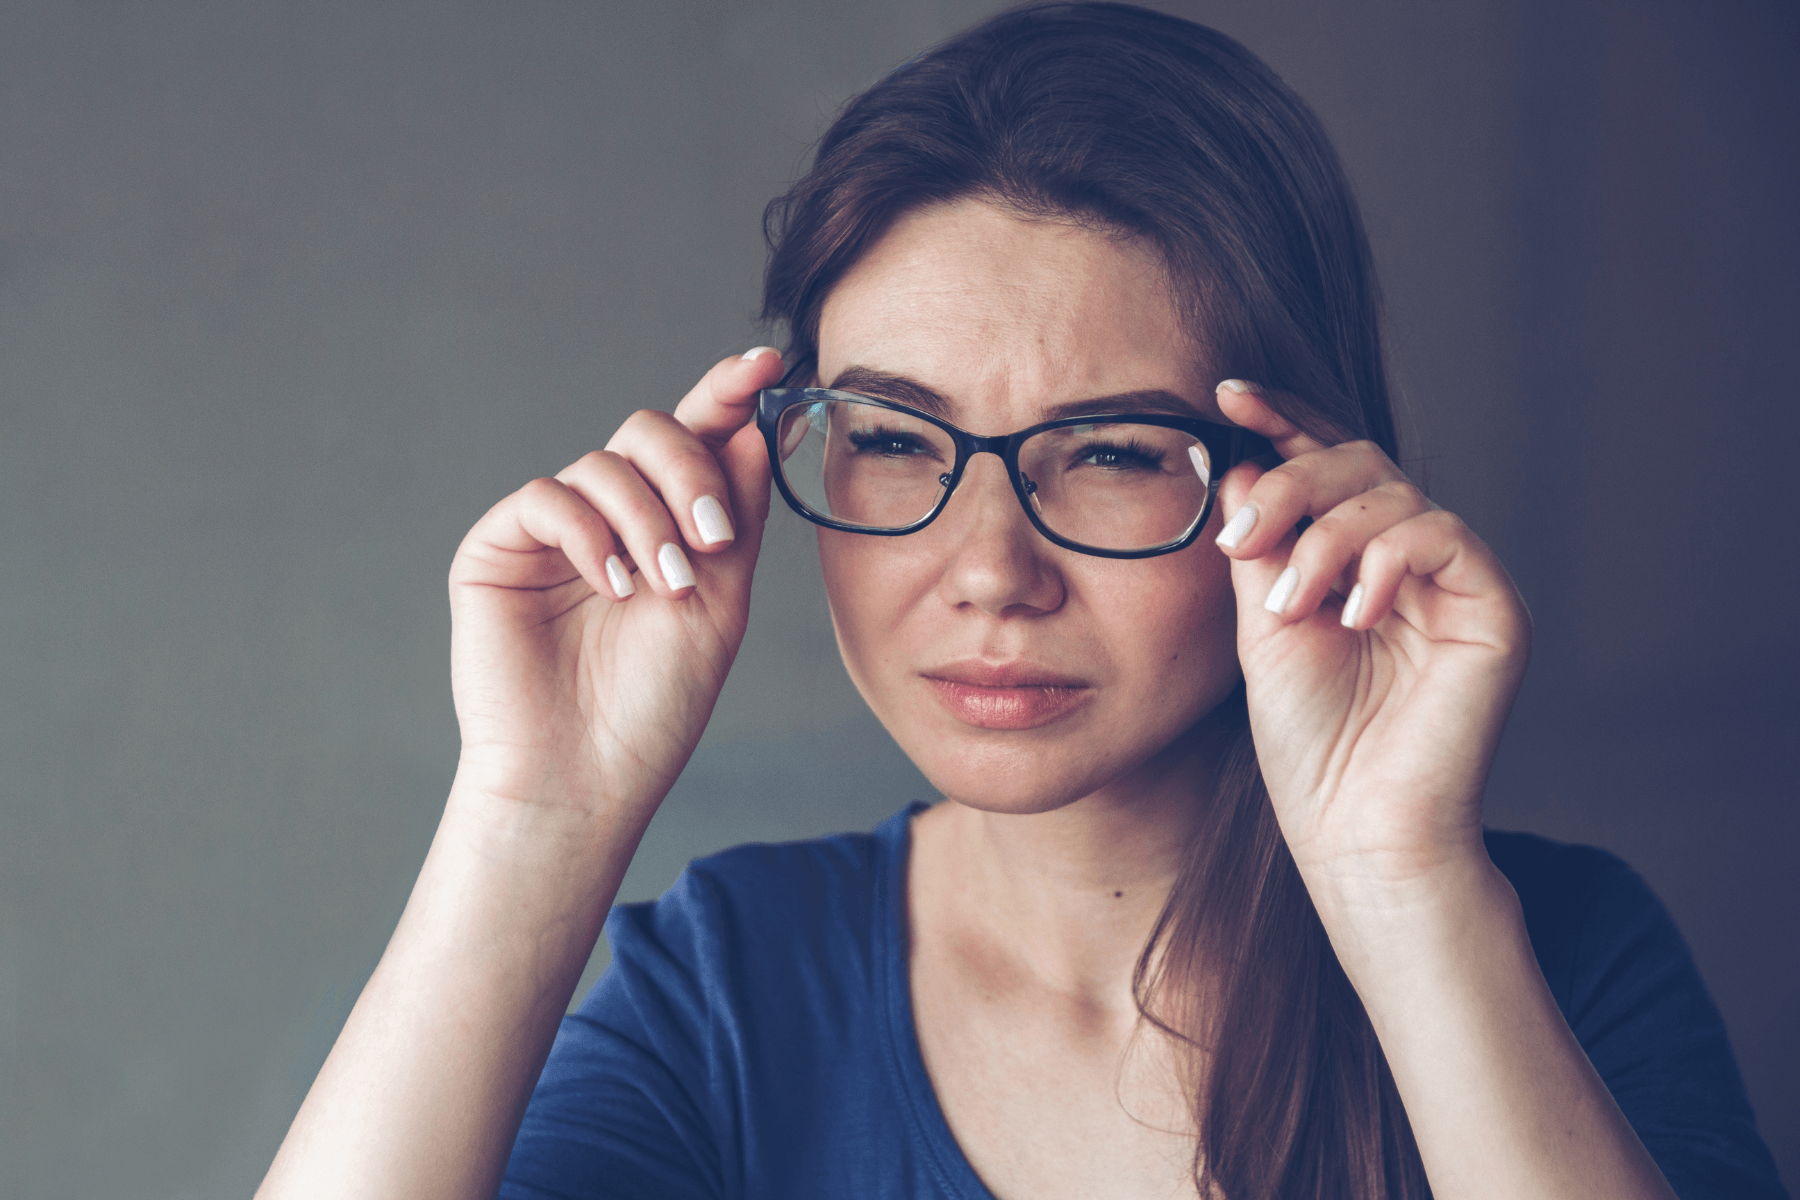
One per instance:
(1207,908)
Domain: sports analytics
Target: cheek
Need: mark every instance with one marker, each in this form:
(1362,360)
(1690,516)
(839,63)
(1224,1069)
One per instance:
(871,585)
(1172,626)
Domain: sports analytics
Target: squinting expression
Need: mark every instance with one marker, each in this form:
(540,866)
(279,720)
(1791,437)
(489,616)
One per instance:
(1020,676)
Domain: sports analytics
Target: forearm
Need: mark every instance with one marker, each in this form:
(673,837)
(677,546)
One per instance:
(1502,1100)
(423,1092)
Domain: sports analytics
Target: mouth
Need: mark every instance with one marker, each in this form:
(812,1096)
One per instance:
(1014,695)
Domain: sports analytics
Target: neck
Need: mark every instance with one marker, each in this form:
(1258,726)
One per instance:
(1063,900)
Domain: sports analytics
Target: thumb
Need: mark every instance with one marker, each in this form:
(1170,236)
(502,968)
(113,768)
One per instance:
(745,459)
(724,401)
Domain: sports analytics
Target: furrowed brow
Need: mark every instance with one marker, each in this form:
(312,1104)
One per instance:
(1153,401)
(865,381)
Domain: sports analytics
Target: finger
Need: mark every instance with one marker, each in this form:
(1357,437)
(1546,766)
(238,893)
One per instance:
(1262,507)
(680,469)
(745,460)
(724,401)
(542,536)
(1248,404)
(1330,544)
(1436,560)
(637,517)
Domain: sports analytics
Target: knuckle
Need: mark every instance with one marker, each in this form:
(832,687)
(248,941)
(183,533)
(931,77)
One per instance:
(1442,523)
(1386,546)
(638,427)
(1404,491)
(595,461)
(1366,453)
(1279,486)
(695,470)
(541,490)
(646,513)
(596,467)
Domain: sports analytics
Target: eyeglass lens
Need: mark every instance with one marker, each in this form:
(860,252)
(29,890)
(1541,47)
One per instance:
(1113,486)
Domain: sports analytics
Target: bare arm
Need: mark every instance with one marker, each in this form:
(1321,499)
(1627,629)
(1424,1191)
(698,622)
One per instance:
(1502,1099)
(581,689)
(424,1090)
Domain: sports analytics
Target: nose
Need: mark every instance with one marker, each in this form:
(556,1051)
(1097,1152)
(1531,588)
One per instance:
(995,560)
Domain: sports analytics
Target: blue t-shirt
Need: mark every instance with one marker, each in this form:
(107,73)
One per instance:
(754,1035)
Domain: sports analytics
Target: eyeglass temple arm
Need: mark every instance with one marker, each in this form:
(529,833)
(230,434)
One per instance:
(801,365)
(1247,445)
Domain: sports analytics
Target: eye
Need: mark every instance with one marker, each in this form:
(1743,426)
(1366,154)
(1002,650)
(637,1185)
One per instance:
(889,443)
(1119,456)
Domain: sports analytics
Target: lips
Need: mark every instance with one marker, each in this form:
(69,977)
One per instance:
(1014,695)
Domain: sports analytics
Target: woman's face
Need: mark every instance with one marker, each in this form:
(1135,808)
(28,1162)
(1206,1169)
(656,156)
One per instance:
(1018,675)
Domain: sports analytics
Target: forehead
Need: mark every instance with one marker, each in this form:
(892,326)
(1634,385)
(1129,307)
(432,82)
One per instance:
(998,312)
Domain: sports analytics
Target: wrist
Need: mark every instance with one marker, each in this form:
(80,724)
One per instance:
(1385,928)
(557,802)
(501,826)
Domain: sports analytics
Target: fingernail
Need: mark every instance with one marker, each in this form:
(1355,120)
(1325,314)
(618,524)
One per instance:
(1353,606)
(1199,461)
(756,352)
(675,570)
(1283,591)
(710,519)
(1236,385)
(1238,528)
(619,577)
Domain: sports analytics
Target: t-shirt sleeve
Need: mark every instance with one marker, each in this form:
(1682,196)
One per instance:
(1628,985)
(622,1109)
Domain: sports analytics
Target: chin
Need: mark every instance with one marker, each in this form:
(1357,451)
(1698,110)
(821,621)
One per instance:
(1019,779)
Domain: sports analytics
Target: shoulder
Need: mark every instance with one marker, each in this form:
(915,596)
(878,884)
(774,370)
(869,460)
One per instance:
(1626,982)
(1545,871)
(743,1023)
(1588,914)
(776,898)
(745,933)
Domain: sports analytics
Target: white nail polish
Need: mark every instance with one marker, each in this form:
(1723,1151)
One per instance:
(619,577)
(710,519)
(675,570)
(1238,528)
(1283,591)
(1199,461)
(1353,606)
(1235,385)
(756,352)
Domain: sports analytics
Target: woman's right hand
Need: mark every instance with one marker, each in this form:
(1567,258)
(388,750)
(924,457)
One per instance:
(571,696)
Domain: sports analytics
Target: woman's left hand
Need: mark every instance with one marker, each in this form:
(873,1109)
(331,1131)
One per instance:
(1381,651)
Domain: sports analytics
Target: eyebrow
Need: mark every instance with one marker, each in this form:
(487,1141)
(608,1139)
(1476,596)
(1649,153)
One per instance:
(866,381)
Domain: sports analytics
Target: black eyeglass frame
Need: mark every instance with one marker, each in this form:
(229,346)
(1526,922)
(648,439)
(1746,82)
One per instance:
(1226,445)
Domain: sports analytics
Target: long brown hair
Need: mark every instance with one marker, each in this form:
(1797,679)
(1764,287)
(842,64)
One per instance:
(1170,132)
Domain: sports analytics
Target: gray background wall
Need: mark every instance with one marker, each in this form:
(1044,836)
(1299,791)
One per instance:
(290,293)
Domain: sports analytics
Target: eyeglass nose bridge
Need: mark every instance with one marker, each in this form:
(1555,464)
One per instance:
(1002,446)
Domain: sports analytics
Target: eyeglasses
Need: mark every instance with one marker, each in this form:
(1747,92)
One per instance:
(1128,485)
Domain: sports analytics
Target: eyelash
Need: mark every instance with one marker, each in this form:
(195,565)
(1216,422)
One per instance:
(1132,450)
(893,443)
(874,439)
